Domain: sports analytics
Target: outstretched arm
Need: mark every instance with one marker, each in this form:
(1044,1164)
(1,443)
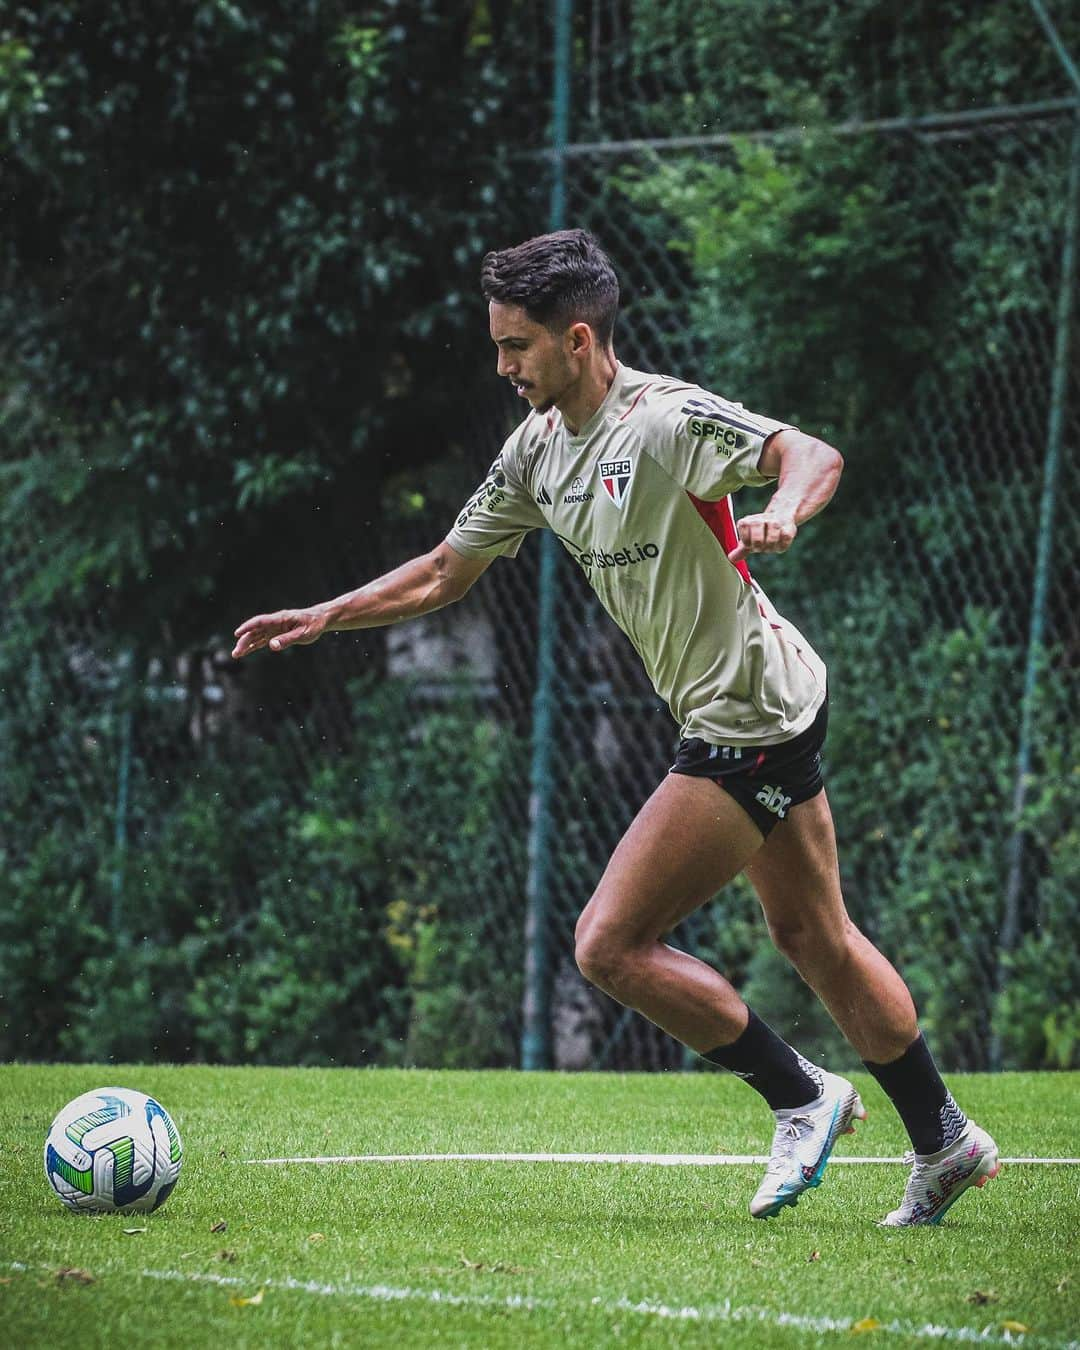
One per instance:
(417,587)
(808,471)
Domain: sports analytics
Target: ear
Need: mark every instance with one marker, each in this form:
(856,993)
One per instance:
(581,339)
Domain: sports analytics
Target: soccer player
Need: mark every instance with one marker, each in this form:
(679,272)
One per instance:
(633,472)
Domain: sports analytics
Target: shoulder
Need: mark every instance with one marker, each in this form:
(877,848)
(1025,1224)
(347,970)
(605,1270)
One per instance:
(667,408)
(521,443)
(651,401)
(524,449)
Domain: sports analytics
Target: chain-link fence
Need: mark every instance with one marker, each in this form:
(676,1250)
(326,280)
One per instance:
(953,670)
(917,585)
(335,850)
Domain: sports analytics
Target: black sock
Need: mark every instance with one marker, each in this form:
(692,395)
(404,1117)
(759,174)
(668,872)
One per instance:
(769,1065)
(925,1104)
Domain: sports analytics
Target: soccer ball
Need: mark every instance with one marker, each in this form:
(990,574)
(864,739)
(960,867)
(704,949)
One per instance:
(113,1149)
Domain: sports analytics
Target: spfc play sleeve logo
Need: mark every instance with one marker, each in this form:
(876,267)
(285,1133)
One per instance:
(615,475)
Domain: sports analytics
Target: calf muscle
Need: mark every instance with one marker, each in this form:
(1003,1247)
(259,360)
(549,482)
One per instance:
(797,879)
(689,839)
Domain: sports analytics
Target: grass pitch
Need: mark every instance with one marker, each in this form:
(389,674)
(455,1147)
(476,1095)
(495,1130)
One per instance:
(498,1254)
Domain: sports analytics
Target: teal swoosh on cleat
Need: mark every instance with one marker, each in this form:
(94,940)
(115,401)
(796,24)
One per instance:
(782,1201)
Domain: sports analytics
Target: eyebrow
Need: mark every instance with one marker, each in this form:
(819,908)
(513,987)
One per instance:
(513,337)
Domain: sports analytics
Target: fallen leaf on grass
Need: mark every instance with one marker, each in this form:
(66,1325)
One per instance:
(496,1268)
(219,1227)
(981,1296)
(1062,1284)
(814,1256)
(316,1237)
(75,1275)
(5,1279)
(224,1255)
(1014,1326)
(865,1324)
(252,1302)
(129,1231)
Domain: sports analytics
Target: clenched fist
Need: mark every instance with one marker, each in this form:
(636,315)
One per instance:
(764,533)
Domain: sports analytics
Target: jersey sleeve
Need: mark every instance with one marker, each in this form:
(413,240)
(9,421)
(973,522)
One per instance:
(499,514)
(708,445)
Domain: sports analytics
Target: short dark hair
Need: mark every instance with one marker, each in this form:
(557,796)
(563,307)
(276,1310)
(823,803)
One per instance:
(558,279)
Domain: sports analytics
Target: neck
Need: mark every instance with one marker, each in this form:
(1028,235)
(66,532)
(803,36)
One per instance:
(579,402)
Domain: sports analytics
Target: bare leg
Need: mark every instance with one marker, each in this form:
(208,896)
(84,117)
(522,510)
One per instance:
(689,839)
(797,879)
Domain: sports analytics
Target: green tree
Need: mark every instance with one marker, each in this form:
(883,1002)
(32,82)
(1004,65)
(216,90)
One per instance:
(241,241)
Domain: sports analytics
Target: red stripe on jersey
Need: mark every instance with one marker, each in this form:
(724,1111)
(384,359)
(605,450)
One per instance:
(633,405)
(721,520)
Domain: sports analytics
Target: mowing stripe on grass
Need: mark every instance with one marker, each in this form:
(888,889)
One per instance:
(724,1311)
(644,1159)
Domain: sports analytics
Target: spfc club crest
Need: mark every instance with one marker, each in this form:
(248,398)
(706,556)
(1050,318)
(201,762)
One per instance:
(615,475)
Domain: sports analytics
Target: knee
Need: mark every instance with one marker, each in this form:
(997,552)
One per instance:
(604,959)
(809,945)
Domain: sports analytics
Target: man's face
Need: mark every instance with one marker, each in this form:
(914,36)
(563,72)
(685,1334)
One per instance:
(536,361)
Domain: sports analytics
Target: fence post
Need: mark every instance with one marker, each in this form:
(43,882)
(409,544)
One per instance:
(126,708)
(536,1036)
(1054,38)
(1010,922)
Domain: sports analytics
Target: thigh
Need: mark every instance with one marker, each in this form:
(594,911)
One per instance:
(689,839)
(796,873)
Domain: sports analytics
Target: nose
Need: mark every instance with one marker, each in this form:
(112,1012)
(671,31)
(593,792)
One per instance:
(506,365)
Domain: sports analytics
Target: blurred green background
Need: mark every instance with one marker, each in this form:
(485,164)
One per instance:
(246,366)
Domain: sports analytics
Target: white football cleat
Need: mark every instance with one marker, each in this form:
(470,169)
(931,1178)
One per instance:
(939,1179)
(804,1138)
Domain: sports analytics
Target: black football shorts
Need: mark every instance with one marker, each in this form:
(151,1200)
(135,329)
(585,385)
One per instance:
(766,780)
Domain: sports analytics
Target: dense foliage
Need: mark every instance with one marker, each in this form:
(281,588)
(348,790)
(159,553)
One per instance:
(239,256)
(902,331)
(242,345)
(342,920)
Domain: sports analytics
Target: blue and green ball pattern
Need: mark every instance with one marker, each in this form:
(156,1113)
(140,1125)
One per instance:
(133,1166)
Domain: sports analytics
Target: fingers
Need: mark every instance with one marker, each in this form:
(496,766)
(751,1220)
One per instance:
(283,640)
(763,534)
(266,630)
(250,641)
(277,631)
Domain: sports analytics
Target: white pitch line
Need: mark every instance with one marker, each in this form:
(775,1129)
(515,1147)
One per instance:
(643,1159)
(725,1311)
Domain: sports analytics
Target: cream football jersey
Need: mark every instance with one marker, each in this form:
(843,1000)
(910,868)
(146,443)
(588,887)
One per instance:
(640,498)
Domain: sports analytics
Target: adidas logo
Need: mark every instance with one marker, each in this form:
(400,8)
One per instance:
(725,752)
(542,496)
(774,800)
